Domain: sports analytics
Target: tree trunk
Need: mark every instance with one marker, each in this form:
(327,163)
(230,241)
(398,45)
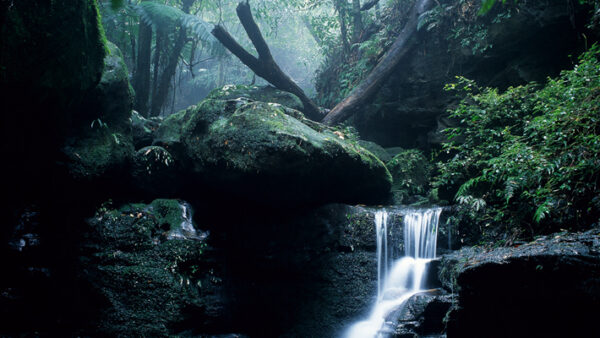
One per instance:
(341,9)
(369,86)
(311,30)
(161,38)
(164,85)
(358,24)
(264,66)
(141,79)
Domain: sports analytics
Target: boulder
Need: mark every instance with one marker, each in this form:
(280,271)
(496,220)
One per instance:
(102,147)
(257,93)
(143,129)
(265,151)
(376,150)
(547,288)
(112,100)
(149,271)
(422,315)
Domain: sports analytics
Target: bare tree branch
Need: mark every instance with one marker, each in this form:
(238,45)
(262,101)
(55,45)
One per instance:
(263,66)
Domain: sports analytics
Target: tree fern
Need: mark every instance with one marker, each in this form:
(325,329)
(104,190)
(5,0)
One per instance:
(167,17)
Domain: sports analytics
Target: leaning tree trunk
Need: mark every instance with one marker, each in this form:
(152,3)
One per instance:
(371,84)
(141,79)
(264,66)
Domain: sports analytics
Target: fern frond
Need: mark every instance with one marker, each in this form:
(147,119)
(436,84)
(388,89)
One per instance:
(167,17)
(159,15)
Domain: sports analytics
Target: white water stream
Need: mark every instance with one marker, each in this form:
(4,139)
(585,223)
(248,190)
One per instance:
(405,278)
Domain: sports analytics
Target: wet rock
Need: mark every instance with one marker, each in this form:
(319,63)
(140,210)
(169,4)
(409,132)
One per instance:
(150,271)
(519,291)
(422,315)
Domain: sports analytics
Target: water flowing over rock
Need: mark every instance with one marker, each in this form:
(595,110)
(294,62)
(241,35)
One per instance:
(405,278)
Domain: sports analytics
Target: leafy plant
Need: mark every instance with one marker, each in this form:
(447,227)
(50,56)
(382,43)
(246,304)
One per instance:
(528,158)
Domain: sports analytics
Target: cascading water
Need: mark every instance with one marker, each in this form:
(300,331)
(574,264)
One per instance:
(396,285)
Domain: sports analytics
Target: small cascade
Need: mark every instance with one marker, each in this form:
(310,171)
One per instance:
(187,230)
(405,278)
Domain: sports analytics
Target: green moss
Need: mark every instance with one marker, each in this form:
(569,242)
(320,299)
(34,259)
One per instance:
(100,153)
(257,93)
(146,281)
(167,212)
(376,150)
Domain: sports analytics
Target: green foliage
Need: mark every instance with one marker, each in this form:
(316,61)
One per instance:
(528,158)
(411,172)
(167,17)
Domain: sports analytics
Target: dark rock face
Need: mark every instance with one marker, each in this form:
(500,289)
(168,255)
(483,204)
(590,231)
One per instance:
(547,288)
(51,58)
(102,147)
(533,42)
(422,315)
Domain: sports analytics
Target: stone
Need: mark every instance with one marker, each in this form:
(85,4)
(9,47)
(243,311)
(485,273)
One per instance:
(102,147)
(146,280)
(376,150)
(143,129)
(549,287)
(264,151)
(257,93)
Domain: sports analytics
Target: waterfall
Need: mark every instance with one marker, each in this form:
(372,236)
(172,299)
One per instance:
(186,230)
(396,285)
(382,252)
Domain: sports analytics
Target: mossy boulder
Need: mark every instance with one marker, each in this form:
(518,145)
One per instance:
(265,151)
(376,150)
(103,146)
(257,93)
(411,171)
(143,129)
(145,280)
(101,154)
(112,99)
